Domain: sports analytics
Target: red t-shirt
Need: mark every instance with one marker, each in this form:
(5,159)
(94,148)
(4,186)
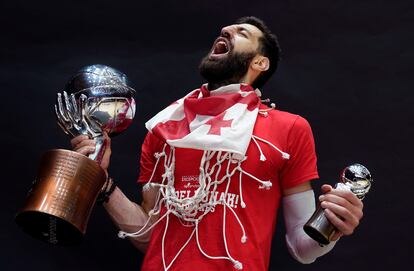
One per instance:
(290,133)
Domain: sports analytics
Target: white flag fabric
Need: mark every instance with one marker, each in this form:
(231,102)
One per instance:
(219,120)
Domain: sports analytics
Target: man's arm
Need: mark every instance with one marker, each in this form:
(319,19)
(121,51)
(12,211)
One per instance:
(342,208)
(126,215)
(297,189)
(129,216)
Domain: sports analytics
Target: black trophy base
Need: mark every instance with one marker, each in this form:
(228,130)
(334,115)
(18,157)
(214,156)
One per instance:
(49,228)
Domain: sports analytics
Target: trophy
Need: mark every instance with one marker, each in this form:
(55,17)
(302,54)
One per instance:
(355,178)
(96,99)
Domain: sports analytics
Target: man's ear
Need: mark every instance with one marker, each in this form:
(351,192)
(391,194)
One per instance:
(260,63)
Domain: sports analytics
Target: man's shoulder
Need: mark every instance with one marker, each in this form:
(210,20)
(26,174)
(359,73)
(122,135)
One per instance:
(279,115)
(279,119)
(283,115)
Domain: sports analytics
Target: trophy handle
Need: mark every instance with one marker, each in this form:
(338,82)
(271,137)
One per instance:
(99,149)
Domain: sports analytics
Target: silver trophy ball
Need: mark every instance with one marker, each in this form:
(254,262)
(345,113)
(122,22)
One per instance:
(96,99)
(357,179)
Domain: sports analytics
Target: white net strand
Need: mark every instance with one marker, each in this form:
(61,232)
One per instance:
(262,157)
(158,156)
(244,236)
(143,230)
(242,203)
(203,252)
(163,241)
(265,184)
(236,263)
(181,249)
(285,155)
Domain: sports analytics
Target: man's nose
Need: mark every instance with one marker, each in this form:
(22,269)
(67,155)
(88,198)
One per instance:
(227,31)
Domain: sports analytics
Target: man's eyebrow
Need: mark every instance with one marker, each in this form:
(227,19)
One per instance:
(243,28)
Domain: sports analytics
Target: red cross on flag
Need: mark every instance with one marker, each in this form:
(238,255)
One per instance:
(220,120)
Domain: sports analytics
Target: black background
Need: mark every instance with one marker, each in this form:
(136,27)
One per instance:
(346,67)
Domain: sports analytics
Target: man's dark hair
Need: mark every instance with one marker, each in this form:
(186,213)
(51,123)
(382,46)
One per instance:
(269,47)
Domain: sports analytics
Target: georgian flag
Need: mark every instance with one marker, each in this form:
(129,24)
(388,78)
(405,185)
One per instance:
(219,120)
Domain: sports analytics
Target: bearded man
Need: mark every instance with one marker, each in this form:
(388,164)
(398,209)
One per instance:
(217,164)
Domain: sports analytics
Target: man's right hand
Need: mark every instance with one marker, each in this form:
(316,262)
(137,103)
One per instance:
(84,145)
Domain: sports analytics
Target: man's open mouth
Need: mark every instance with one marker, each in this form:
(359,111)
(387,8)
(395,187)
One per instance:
(221,47)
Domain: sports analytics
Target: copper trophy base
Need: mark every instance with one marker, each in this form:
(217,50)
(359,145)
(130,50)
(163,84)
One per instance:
(319,228)
(59,203)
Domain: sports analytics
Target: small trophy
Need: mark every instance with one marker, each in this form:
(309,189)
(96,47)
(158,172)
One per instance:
(96,99)
(355,178)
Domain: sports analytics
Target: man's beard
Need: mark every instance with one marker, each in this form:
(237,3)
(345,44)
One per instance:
(229,70)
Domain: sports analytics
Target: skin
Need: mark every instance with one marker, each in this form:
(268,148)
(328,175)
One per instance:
(342,208)
(245,38)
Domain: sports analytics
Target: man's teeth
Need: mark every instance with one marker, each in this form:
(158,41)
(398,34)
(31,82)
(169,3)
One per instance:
(221,48)
(222,43)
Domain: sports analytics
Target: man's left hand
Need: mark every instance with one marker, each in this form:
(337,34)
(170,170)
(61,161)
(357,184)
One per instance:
(342,208)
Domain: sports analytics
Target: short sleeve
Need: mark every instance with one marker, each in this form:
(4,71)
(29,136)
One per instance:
(150,146)
(301,167)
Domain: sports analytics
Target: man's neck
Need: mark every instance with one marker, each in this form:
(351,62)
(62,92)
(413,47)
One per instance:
(216,85)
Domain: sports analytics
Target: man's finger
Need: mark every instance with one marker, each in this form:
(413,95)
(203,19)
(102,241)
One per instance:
(76,140)
(348,195)
(86,150)
(335,199)
(85,143)
(346,215)
(338,223)
(336,235)
(326,188)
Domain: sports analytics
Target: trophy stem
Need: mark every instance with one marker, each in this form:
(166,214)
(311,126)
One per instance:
(99,149)
(319,228)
